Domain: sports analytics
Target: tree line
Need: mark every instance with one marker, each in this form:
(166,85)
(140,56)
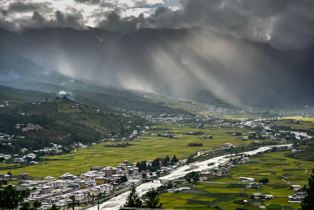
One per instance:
(195,144)
(156,164)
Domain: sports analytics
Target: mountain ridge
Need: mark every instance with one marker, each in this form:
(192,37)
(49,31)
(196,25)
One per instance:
(226,66)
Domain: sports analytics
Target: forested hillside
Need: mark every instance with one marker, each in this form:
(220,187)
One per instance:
(63,122)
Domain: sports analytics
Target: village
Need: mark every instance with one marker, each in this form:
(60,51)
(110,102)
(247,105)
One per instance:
(99,182)
(104,182)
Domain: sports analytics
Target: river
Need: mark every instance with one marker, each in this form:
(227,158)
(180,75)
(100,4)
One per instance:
(118,201)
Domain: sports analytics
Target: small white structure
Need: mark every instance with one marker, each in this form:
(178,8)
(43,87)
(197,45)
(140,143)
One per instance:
(246,179)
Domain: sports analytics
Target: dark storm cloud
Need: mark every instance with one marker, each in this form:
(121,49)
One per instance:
(21,7)
(260,20)
(282,23)
(69,19)
(38,18)
(114,22)
(91,2)
(140,2)
(7,25)
(59,20)
(3,12)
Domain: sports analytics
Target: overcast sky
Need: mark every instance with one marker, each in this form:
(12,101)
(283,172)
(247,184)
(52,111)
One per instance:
(282,23)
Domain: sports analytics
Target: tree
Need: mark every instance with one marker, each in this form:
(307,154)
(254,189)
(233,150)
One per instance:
(10,198)
(155,163)
(308,202)
(54,207)
(192,176)
(122,129)
(174,159)
(195,178)
(1,159)
(25,206)
(133,200)
(36,204)
(142,166)
(9,173)
(263,181)
(190,159)
(153,199)
(124,179)
(3,183)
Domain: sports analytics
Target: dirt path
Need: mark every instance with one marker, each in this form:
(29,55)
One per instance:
(62,137)
(286,181)
(304,172)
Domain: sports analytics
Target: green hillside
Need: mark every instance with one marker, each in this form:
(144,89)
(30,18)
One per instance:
(63,121)
(8,93)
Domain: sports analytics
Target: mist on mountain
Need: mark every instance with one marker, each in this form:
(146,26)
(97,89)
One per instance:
(176,62)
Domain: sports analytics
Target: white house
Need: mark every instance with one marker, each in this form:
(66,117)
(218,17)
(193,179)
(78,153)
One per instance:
(59,183)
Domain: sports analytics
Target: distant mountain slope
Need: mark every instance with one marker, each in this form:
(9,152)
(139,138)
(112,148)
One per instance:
(128,104)
(8,93)
(207,97)
(20,72)
(176,62)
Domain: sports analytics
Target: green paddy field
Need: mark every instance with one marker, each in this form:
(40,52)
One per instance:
(280,170)
(218,191)
(145,148)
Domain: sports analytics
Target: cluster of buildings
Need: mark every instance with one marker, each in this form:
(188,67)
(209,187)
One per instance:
(267,132)
(8,137)
(222,170)
(206,175)
(297,197)
(5,103)
(16,159)
(227,146)
(5,157)
(80,145)
(55,148)
(28,127)
(6,177)
(167,119)
(29,157)
(68,188)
